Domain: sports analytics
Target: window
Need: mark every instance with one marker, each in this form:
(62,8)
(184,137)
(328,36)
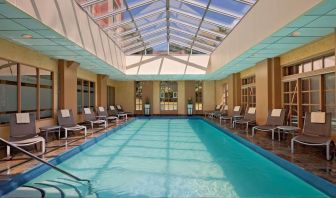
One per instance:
(199,96)
(310,94)
(290,100)
(168,96)
(46,93)
(248,92)
(110,95)
(138,95)
(85,94)
(310,65)
(28,88)
(36,87)
(8,90)
(329,61)
(330,97)
(225,94)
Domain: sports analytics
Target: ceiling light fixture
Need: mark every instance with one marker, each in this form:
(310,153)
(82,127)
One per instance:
(27,36)
(296,33)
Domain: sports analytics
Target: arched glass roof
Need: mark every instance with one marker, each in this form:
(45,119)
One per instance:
(167,26)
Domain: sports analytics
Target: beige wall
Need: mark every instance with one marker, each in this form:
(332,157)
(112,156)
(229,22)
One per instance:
(209,95)
(125,95)
(316,48)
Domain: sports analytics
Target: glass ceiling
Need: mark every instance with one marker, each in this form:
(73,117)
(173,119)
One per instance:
(167,26)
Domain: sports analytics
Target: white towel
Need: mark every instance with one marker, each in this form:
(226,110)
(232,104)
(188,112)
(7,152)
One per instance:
(251,110)
(101,109)
(87,111)
(318,117)
(236,108)
(218,107)
(118,107)
(226,107)
(22,118)
(65,113)
(276,112)
(112,108)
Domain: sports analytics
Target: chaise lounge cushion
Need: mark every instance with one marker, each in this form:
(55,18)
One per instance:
(312,139)
(318,117)
(65,113)
(22,118)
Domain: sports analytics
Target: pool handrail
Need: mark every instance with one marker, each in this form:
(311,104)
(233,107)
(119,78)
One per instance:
(50,165)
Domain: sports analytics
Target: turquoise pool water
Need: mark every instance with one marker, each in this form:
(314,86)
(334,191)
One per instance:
(179,158)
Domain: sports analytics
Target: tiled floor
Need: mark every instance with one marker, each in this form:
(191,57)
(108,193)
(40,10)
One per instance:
(309,158)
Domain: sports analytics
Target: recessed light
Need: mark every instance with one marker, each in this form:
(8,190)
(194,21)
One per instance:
(296,33)
(27,36)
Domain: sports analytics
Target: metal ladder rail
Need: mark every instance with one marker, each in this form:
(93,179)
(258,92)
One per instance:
(49,164)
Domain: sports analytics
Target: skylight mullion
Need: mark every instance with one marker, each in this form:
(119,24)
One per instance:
(199,18)
(212,8)
(134,19)
(199,36)
(202,44)
(141,27)
(145,41)
(121,10)
(201,28)
(144,48)
(188,46)
(144,35)
(135,25)
(167,21)
(247,2)
(90,3)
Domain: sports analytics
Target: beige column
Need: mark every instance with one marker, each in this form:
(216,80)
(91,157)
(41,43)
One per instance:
(276,83)
(156,98)
(102,90)
(263,90)
(181,98)
(68,85)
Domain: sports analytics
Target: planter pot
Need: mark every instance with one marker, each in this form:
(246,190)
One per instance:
(147,109)
(190,109)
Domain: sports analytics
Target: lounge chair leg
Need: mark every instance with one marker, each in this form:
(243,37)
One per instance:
(279,135)
(91,125)
(85,131)
(292,145)
(328,151)
(8,151)
(66,133)
(247,127)
(272,134)
(43,146)
(253,131)
(234,124)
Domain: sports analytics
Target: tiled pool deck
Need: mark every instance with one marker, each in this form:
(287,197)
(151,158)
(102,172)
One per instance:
(309,158)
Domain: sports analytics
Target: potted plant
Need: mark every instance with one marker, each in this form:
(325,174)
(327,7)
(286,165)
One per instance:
(190,106)
(147,106)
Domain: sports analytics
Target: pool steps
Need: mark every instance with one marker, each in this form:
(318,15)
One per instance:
(56,188)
